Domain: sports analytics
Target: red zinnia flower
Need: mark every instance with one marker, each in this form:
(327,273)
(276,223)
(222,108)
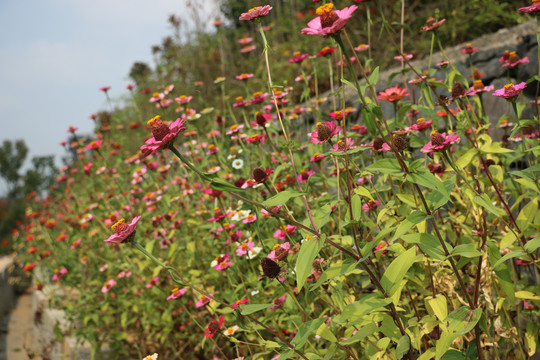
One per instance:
(213,327)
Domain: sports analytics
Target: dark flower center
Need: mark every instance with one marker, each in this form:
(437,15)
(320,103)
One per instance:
(323,132)
(270,268)
(400,142)
(378,143)
(159,129)
(328,18)
(458,90)
(259,175)
(260,119)
(437,139)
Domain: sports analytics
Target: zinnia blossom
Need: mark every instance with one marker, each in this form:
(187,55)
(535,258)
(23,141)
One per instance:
(329,21)
(256,13)
(154,356)
(341,145)
(393,94)
(325,132)
(298,57)
(221,262)
(176,293)
(510,91)
(421,124)
(370,205)
(163,134)
(440,141)
(123,231)
(534,8)
(432,24)
(203,300)
(469,49)
(243,249)
(278,302)
(58,274)
(213,327)
(280,251)
(108,285)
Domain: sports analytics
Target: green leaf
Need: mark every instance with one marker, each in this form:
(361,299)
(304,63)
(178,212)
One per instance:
(429,244)
(494,148)
(385,166)
(403,346)
(222,185)
(308,251)
(252,308)
(459,322)
(527,295)
(356,310)
(361,334)
(527,214)
(374,77)
(485,202)
(466,158)
(531,337)
(305,330)
(362,191)
(281,197)
(338,269)
(430,181)
(510,255)
(502,272)
(437,306)
(411,220)
(397,270)
(532,244)
(466,250)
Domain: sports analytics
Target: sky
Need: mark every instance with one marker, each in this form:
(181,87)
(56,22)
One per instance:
(55,55)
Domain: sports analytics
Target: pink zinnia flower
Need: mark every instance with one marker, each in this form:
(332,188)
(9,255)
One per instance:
(278,302)
(338,114)
(282,232)
(317,157)
(432,24)
(108,285)
(469,49)
(280,251)
(248,48)
(298,57)
(393,94)
(361,47)
(440,141)
(250,218)
(534,8)
(58,274)
(203,300)
(361,129)
(163,134)
(153,281)
(256,13)
(421,124)
(183,99)
(105,89)
(341,145)
(325,132)
(329,21)
(176,293)
(510,91)
(403,57)
(234,129)
(123,231)
(370,205)
(244,40)
(478,88)
(513,60)
(304,175)
(244,248)
(243,76)
(94,145)
(221,262)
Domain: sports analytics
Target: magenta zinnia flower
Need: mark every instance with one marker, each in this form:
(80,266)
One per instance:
(432,24)
(298,57)
(329,21)
(58,274)
(122,230)
(255,13)
(163,134)
(440,141)
(510,91)
(213,327)
(421,124)
(534,8)
(108,285)
(176,293)
(325,132)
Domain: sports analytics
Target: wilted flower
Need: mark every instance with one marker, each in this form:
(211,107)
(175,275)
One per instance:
(432,24)
(213,327)
(325,132)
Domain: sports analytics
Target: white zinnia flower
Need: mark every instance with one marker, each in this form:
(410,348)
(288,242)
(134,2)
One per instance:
(238,164)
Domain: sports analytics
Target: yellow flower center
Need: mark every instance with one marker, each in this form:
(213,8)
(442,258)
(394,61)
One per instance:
(117,224)
(175,290)
(151,121)
(239,98)
(253,9)
(277,246)
(234,127)
(316,154)
(156,94)
(296,53)
(420,121)
(508,86)
(324,9)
